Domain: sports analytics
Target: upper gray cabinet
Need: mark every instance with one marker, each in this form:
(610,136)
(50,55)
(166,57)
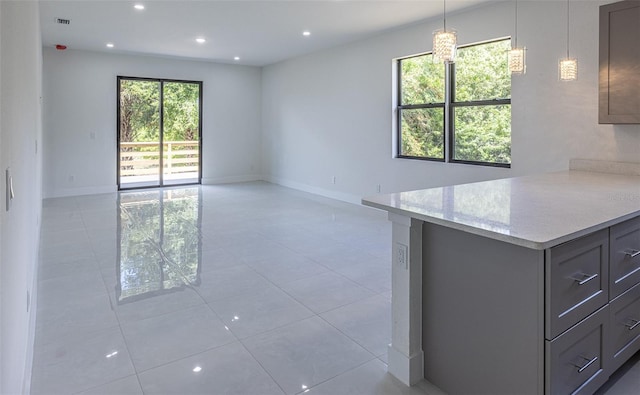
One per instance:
(619,98)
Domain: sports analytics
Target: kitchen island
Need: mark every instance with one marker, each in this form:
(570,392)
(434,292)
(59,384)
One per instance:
(520,285)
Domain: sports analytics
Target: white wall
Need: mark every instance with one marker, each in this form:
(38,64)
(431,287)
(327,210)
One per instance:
(330,113)
(20,122)
(80,99)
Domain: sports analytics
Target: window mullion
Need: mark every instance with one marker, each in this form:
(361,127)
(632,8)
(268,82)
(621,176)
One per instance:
(449,98)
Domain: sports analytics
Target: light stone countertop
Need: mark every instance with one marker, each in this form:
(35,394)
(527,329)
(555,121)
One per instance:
(536,212)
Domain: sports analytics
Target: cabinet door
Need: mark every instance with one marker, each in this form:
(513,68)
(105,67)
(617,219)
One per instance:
(576,360)
(625,327)
(577,281)
(619,101)
(624,257)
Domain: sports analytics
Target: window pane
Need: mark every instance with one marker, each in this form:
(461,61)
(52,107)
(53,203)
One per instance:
(422,80)
(482,72)
(423,132)
(483,134)
(181,132)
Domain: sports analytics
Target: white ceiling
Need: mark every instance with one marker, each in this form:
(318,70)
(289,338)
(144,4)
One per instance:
(259,32)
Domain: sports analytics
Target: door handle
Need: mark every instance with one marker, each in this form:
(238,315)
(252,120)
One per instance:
(9,188)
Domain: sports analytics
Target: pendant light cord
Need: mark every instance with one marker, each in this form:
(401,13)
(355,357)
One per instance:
(567,29)
(516,25)
(444,15)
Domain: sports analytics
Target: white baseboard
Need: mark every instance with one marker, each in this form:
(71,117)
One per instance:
(342,196)
(337,195)
(65,192)
(231,179)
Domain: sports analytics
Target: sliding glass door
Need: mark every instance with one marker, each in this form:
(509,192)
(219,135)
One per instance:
(159,132)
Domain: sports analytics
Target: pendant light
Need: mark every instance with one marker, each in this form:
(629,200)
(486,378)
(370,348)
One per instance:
(568,67)
(517,62)
(444,41)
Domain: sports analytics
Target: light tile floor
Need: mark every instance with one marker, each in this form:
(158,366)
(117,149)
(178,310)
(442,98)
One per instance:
(243,289)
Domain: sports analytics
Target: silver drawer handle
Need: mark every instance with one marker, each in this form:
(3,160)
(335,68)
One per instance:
(631,253)
(586,365)
(582,278)
(633,324)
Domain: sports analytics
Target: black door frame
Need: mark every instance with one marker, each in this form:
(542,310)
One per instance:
(161,134)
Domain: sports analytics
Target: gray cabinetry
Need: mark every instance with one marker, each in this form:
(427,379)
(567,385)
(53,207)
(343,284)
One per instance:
(577,279)
(625,327)
(503,319)
(576,360)
(625,256)
(619,77)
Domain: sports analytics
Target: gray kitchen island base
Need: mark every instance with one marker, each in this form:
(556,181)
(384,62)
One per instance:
(527,285)
(483,314)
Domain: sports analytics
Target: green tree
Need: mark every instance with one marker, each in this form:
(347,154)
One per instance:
(139,110)
(181,111)
(422,128)
(483,132)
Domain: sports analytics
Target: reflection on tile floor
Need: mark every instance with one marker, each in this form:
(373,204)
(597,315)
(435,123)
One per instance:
(247,289)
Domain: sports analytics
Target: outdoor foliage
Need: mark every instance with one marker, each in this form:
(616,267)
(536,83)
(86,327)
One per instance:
(140,111)
(423,82)
(181,111)
(482,131)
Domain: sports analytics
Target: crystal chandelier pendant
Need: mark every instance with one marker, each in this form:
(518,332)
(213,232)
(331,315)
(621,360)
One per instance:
(517,64)
(568,69)
(444,46)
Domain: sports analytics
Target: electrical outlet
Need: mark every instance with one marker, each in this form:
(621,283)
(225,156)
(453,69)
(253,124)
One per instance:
(333,179)
(402,255)
(378,188)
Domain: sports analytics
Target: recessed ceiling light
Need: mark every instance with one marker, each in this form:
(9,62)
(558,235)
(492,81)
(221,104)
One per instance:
(109,45)
(236,58)
(306,33)
(139,7)
(200,40)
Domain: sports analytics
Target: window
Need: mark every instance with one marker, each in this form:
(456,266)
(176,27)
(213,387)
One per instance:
(459,112)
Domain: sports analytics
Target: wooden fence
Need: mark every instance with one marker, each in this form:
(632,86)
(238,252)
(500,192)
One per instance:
(143,158)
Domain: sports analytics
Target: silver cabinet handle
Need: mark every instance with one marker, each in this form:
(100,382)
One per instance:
(633,324)
(631,253)
(582,278)
(586,365)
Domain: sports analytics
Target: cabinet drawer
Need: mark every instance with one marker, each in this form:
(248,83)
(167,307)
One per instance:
(577,282)
(625,326)
(624,257)
(576,360)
